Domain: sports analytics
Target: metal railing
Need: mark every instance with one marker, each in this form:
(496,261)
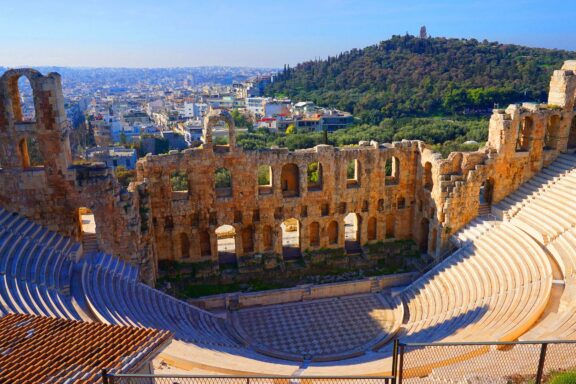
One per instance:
(482,362)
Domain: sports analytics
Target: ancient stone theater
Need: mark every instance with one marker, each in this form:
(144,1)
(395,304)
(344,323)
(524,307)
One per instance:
(499,222)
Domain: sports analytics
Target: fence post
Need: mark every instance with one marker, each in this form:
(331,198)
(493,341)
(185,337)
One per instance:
(395,361)
(105,377)
(400,368)
(540,371)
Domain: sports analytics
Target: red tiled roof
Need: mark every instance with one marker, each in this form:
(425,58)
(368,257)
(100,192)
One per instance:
(37,349)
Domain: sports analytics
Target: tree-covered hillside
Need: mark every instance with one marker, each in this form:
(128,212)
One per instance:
(411,76)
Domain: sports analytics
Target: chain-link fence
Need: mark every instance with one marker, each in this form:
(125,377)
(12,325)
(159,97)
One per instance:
(478,363)
(486,363)
(177,379)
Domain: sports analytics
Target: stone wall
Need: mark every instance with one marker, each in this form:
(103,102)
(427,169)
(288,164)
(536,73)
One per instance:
(401,190)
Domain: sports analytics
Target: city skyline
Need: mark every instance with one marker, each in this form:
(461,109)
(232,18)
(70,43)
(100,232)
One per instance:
(255,33)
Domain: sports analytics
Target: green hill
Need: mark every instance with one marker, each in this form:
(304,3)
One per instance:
(410,76)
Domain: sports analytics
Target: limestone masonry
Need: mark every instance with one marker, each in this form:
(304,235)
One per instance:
(401,190)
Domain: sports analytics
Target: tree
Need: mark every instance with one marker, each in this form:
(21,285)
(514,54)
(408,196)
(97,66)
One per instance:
(291,129)
(423,33)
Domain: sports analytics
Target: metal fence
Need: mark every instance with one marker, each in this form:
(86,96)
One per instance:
(485,363)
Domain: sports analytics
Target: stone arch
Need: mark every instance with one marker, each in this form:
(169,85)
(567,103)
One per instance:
(572,134)
(87,229)
(15,80)
(428,181)
(223,182)
(424,233)
(486,191)
(290,180)
(314,176)
(332,232)
(184,246)
(352,232)
(372,232)
(314,234)
(214,117)
(290,239)
(179,181)
(264,175)
(226,245)
(392,170)
(248,239)
(552,132)
(205,245)
(352,172)
(267,241)
(524,134)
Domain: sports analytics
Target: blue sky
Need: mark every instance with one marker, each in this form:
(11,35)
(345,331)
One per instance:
(171,33)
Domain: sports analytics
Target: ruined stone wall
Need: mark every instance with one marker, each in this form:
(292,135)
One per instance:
(402,190)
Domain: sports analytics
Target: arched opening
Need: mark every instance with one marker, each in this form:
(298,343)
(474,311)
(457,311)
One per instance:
(352,233)
(428,182)
(22,98)
(433,234)
(390,226)
(401,202)
(248,239)
(572,135)
(314,176)
(290,180)
(380,205)
(23,150)
(392,170)
(223,182)
(552,132)
(226,245)
(486,190)
(205,246)
(221,136)
(179,181)
(524,135)
(424,232)
(372,229)
(267,238)
(352,173)
(184,246)
(290,239)
(264,180)
(30,154)
(333,233)
(314,234)
(87,230)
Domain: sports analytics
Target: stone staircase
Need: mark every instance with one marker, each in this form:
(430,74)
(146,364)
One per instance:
(484,209)
(89,243)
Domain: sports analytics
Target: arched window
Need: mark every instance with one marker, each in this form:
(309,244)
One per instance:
(390,226)
(401,202)
(352,173)
(30,154)
(223,182)
(333,233)
(392,171)
(314,174)
(22,97)
(205,246)
(264,180)
(248,239)
(290,239)
(372,229)
(226,244)
(184,246)
(424,232)
(290,180)
(267,238)
(314,234)
(552,132)
(179,181)
(428,182)
(524,134)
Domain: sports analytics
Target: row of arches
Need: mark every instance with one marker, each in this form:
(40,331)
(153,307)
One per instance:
(289,178)
(291,232)
(552,134)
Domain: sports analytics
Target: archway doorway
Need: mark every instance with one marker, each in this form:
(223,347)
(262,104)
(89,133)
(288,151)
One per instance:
(424,232)
(486,190)
(290,180)
(290,239)
(87,230)
(226,245)
(352,233)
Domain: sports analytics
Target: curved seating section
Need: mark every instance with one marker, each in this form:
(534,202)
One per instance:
(545,206)
(116,297)
(494,289)
(35,269)
(473,230)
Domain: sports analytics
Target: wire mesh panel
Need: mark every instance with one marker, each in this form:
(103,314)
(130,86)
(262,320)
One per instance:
(559,361)
(177,379)
(506,363)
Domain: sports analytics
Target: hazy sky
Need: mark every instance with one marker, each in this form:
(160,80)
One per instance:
(170,33)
